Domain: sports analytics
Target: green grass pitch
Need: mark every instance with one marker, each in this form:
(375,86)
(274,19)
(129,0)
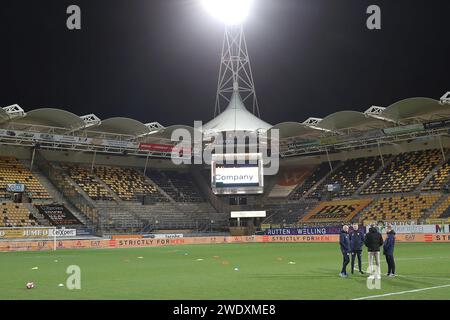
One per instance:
(265,271)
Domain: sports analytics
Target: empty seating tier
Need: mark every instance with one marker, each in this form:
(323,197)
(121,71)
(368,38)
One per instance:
(287,213)
(439,178)
(405,172)
(400,208)
(12,171)
(87,181)
(442,210)
(16,215)
(178,185)
(321,171)
(127,183)
(351,175)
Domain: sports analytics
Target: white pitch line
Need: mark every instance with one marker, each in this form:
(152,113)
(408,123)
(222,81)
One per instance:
(421,277)
(401,292)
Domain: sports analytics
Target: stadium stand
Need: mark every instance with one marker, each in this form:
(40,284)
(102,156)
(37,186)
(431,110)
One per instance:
(107,185)
(127,183)
(121,181)
(319,173)
(415,184)
(286,181)
(287,213)
(439,178)
(16,215)
(400,208)
(442,210)
(405,172)
(335,211)
(351,175)
(58,215)
(87,182)
(178,185)
(12,171)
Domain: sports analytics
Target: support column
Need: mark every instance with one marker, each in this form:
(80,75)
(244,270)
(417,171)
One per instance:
(328,158)
(32,159)
(379,152)
(146,163)
(93,160)
(442,148)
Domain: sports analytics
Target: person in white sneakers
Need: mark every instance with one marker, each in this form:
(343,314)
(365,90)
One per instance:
(373,242)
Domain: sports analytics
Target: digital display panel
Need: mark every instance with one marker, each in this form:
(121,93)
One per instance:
(241,174)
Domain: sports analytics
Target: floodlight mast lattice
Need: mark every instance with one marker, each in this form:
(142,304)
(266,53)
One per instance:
(235,73)
(14,111)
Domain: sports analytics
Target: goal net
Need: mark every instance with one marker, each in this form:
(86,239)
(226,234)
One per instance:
(28,238)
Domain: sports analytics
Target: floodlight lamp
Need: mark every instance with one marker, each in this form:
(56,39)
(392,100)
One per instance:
(231,12)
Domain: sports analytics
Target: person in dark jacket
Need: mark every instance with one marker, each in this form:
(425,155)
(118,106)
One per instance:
(373,242)
(356,246)
(344,242)
(388,251)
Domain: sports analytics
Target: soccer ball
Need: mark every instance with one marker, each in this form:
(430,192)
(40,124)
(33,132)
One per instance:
(30,285)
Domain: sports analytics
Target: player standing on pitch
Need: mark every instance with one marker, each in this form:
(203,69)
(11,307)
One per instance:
(373,242)
(388,251)
(344,242)
(356,245)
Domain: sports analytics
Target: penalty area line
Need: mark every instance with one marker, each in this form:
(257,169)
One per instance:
(401,292)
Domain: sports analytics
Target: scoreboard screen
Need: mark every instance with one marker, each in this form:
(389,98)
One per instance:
(237,176)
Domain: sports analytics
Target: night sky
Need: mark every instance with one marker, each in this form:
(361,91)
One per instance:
(158,60)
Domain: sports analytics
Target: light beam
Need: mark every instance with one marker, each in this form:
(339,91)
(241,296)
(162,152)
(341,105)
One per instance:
(230,12)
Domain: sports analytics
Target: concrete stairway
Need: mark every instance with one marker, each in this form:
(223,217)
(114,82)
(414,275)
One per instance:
(118,216)
(75,196)
(58,197)
(175,215)
(358,216)
(110,191)
(435,206)
(269,184)
(387,162)
(35,212)
(432,172)
(205,188)
(150,181)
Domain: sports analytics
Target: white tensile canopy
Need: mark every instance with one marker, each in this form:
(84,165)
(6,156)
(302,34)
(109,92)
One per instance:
(236,117)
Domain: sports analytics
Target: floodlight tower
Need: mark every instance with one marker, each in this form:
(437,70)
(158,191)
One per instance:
(235,73)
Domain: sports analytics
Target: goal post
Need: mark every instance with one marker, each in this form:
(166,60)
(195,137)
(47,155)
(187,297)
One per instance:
(29,234)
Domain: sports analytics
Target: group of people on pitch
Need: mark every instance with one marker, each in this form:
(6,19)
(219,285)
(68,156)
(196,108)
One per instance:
(352,244)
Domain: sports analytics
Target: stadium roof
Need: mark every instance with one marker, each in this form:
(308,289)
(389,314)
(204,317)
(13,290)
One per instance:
(348,120)
(166,133)
(3,115)
(53,118)
(120,125)
(296,129)
(416,109)
(236,117)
